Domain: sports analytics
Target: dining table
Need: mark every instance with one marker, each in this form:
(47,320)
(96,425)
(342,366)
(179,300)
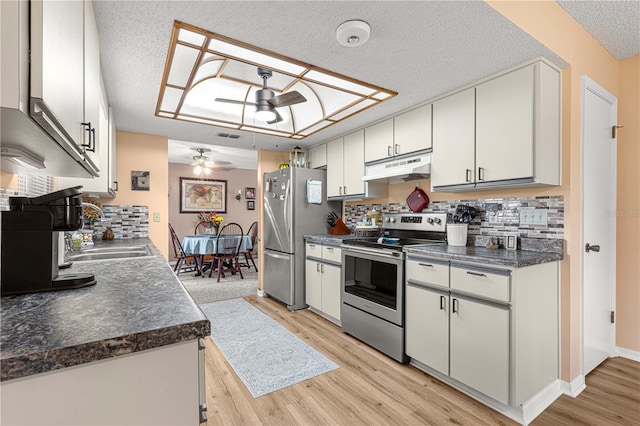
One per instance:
(207,244)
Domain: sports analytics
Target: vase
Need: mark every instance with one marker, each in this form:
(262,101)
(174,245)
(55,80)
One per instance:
(209,230)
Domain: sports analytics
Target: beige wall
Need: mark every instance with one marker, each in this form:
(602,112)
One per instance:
(268,161)
(8,181)
(628,208)
(140,152)
(237,179)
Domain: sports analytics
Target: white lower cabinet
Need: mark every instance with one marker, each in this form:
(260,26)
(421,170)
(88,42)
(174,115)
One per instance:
(322,279)
(163,385)
(427,327)
(489,331)
(479,346)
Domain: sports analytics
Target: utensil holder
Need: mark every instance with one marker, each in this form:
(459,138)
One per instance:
(457,234)
(339,229)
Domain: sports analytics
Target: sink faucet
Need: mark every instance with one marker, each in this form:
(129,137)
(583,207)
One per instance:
(96,208)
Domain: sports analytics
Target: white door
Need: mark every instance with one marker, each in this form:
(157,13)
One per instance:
(599,112)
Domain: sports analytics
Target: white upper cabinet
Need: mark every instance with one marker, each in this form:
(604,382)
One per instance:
(378,141)
(412,130)
(317,157)
(57,62)
(335,169)
(406,133)
(453,157)
(353,163)
(515,132)
(92,85)
(504,125)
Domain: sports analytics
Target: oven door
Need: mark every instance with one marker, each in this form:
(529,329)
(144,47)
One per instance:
(372,281)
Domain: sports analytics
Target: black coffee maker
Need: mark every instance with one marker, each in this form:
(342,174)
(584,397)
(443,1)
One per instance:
(30,232)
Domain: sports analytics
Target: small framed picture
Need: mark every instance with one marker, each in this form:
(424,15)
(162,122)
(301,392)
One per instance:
(251,205)
(140,181)
(250,193)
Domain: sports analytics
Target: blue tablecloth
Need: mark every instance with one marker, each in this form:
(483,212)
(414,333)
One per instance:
(206,244)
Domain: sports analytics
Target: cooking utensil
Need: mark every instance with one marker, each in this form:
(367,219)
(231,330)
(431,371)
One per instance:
(417,200)
(466,217)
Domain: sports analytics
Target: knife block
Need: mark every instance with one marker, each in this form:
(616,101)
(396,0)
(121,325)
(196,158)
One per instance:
(339,229)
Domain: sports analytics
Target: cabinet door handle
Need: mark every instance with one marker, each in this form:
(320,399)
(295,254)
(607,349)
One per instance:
(425,265)
(442,301)
(340,191)
(322,269)
(91,146)
(468,175)
(389,151)
(116,184)
(329,248)
(317,267)
(477,274)
(345,190)
(454,306)
(480,173)
(396,149)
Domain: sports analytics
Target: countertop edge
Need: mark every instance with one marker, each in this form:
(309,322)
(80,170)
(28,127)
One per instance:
(533,258)
(56,359)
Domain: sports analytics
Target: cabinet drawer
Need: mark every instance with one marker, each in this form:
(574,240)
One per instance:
(332,254)
(481,282)
(427,271)
(314,250)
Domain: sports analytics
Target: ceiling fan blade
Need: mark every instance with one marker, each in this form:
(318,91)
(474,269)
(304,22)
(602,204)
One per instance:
(233,101)
(286,99)
(278,118)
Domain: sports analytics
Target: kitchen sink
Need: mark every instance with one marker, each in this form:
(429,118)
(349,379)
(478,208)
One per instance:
(103,253)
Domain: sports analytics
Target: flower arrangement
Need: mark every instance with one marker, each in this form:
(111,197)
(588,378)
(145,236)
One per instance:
(212,218)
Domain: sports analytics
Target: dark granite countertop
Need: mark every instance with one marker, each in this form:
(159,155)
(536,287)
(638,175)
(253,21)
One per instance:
(137,304)
(329,239)
(503,257)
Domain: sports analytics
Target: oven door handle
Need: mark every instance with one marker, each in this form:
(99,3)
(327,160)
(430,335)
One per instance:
(365,250)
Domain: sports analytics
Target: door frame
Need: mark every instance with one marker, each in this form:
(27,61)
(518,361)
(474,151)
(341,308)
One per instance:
(590,85)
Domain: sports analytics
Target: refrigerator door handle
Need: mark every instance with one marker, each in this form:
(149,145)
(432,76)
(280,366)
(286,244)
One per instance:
(277,256)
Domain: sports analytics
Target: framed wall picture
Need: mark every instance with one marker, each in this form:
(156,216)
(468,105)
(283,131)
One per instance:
(202,195)
(250,193)
(140,181)
(251,205)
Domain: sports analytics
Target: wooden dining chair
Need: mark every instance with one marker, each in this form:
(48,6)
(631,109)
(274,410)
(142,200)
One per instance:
(228,243)
(202,228)
(253,234)
(189,260)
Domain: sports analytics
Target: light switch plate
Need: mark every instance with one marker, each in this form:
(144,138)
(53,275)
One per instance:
(533,216)
(156,217)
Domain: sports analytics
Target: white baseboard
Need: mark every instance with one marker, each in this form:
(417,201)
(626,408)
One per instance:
(261,293)
(535,405)
(574,387)
(523,414)
(628,353)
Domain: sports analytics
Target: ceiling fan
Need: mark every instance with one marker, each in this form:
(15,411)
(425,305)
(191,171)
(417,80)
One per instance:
(266,103)
(202,164)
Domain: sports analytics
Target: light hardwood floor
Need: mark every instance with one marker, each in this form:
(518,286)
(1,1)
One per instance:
(371,389)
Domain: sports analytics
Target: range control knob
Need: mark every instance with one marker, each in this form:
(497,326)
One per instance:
(430,220)
(386,219)
(392,219)
(438,220)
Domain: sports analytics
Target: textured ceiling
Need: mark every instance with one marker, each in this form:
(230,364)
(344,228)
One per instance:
(420,49)
(615,24)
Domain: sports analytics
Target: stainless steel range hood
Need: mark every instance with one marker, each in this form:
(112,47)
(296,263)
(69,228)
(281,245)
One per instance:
(399,169)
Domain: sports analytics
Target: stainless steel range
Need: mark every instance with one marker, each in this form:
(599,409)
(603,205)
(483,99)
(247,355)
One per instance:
(373,279)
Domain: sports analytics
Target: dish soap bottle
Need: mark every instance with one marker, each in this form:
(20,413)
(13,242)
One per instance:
(108,234)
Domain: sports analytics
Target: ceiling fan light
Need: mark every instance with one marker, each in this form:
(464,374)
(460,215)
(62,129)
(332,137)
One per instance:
(197,170)
(265,115)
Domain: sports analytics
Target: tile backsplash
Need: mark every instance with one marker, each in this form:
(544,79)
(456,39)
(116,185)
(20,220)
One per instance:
(496,217)
(124,220)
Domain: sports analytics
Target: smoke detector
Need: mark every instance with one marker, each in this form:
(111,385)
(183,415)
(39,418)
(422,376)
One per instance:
(353,33)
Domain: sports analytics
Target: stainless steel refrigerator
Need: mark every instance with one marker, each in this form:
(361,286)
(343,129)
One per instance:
(294,205)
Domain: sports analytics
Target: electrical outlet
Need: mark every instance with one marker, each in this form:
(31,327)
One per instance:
(533,216)
(156,217)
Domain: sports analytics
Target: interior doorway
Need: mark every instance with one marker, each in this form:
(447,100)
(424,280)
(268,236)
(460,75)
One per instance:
(599,115)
